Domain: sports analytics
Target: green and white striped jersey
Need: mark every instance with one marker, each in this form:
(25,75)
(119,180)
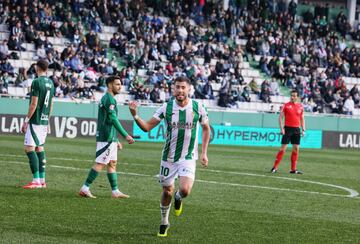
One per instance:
(182,124)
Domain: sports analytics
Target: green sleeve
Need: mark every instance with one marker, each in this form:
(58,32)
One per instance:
(110,105)
(35,90)
(117,124)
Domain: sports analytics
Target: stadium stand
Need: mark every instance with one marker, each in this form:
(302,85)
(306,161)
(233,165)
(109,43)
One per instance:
(245,56)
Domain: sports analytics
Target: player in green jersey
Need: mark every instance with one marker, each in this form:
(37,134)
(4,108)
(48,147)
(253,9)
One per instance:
(107,142)
(182,116)
(36,124)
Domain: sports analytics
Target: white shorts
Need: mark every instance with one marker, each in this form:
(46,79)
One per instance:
(169,171)
(35,135)
(106,151)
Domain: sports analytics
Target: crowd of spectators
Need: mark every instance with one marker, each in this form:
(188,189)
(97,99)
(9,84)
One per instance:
(198,38)
(309,54)
(75,68)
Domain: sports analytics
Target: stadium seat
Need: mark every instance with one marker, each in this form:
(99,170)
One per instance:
(244,73)
(245,65)
(200,61)
(254,97)
(4,35)
(257,58)
(247,80)
(17,91)
(142,72)
(105,36)
(163,58)
(244,105)
(241,42)
(253,106)
(128,24)
(216,86)
(29,47)
(213,61)
(274,99)
(259,81)
(109,29)
(4,28)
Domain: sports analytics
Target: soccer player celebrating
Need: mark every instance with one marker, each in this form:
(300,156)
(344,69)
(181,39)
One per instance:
(182,116)
(36,123)
(294,118)
(107,142)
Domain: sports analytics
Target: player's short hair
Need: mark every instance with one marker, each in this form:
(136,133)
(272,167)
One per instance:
(182,79)
(42,64)
(111,79)
(295,91)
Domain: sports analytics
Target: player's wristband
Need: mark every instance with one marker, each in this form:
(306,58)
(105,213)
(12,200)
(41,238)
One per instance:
(136,117)
(27,120)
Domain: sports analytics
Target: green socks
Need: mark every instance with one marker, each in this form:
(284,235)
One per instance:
(112,177)
(42,161)
(34,164)
(91,177)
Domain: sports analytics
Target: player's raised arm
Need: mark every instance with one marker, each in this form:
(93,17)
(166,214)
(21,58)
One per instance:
(144,125)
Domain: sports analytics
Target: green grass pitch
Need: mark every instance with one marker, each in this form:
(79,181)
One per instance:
(235,200)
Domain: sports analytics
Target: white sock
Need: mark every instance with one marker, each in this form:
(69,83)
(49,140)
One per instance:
(115,191)
(85,188)
(42,180)
(165,210)
(36,180)
(178,195)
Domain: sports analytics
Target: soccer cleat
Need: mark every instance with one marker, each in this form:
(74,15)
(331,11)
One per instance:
(119,194)
(296,172)
(273,171)
(178,207)
(32,185)
(163,230)
(43,185)
(86,194)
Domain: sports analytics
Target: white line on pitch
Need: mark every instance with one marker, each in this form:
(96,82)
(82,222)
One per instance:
(72,159)
(352,192)
(73,168)
(215,182)
(275,188)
